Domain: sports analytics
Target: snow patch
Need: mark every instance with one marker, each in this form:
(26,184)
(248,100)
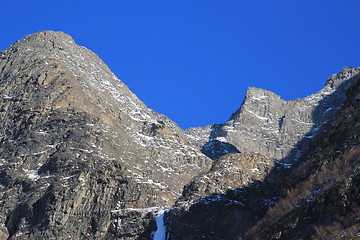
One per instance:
(328,109)
(160,233)
(257,116)
(7,97)
(221,139)
(32,174)
(143,210)
(150,181)
(259,97)
(283,164)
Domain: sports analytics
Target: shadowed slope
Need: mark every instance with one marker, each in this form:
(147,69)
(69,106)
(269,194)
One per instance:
(214,206)
(273,127)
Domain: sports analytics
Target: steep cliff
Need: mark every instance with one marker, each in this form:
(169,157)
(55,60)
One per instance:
(82,156)
(273,127)
(321,198)
(315,197)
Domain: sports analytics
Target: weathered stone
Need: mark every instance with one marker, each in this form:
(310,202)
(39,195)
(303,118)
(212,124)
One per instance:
(273,127)
(81,157)
(316,197)
(77,146)
(230,171)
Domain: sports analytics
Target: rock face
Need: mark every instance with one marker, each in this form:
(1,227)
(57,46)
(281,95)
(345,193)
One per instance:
(208,209)
(229,172)
(316,197)
(283,128)
(82,156)
(321,198)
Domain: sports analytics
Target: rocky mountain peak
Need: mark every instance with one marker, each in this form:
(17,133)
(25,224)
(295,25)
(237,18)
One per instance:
(254,97)
(336,80)
(71,128)
(277,124)
(47,40)
(259,94)
(316,197)
(82,157)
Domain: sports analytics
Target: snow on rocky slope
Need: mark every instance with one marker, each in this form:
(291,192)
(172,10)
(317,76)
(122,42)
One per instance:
(84,154)
(273,127)
(82,157)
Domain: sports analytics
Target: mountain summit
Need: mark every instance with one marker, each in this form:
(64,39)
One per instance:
(81,154)
(273,127)
(81,157)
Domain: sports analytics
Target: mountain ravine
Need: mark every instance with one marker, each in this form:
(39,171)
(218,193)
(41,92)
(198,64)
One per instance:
(81,157)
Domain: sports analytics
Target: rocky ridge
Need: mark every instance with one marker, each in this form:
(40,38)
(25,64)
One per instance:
(230,171)
(284,128)
(80,154)
(315,197)
(81,157)
(321,197)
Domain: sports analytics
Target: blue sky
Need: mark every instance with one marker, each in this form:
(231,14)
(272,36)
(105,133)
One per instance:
(193,60)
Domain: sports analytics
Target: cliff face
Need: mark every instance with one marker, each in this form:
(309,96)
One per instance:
(315,197)
(321,197)
(81,157)
(273,127)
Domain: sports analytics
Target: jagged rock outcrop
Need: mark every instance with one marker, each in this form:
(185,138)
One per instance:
(228,200)
(316,197)
(230,171)
(321,197)
(204,200)
(273,127)
(82,156)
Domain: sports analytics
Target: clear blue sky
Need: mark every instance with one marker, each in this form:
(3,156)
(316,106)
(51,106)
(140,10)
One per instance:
(193,60)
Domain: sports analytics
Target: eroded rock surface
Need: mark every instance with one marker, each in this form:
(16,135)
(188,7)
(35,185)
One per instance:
(82,156)
(273,127)
(230,171)
(316,197)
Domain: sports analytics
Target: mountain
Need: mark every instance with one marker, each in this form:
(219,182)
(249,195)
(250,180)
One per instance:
(314,195)
(321,197)
(284,128)
(81,157)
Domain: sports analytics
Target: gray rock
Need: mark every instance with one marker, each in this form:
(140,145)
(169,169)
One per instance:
(81,157)
(236,194)
(273,127)
(230,171)
(80,153)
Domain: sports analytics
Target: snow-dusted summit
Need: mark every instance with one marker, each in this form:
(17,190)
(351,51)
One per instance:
(271,126)
(80,154)
(81,157)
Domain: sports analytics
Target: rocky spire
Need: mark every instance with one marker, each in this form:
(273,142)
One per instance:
(276,128)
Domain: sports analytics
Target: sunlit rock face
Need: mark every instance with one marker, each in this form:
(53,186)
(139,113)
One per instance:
(273,127)
(81,155)
(248,196)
